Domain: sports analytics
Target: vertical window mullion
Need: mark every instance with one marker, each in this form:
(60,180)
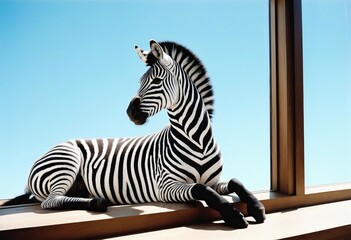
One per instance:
(298,91)
(286,97)
(273,95)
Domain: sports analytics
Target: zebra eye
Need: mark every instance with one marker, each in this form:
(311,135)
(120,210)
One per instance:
(156,80)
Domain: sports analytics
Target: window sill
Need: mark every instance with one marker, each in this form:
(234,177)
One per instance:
(21,221)
(327,221)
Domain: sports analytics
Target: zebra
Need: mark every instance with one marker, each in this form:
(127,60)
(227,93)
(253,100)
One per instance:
(180,163)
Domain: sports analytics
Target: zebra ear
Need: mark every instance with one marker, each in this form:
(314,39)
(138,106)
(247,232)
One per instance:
(142,54)
(156,49)
(158,52)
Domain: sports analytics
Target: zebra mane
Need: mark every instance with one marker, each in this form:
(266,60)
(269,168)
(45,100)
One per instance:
(193,67)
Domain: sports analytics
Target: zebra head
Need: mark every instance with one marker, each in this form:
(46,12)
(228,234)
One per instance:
(158,86)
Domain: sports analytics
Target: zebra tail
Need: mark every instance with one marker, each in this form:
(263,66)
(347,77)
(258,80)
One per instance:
(22,199)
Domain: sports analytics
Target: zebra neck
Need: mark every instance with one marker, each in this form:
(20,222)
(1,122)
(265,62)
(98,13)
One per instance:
(190,120)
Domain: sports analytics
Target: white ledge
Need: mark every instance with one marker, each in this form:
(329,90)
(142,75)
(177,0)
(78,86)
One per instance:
(326,221)
(30,220)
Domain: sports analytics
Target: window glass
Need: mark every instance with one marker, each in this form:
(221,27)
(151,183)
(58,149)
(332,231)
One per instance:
(68,70)
(327,88)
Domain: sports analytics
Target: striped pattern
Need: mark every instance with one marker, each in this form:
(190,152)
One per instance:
(194,69)
(159,167)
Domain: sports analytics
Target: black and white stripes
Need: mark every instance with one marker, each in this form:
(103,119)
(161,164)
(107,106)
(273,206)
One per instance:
(177,164)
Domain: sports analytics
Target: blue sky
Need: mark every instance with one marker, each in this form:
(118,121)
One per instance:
(327,82)
(68,70)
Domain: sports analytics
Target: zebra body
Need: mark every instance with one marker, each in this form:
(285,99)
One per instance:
(127,170)
(180,163)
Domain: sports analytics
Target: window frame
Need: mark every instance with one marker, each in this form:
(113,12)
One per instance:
(287,132)
(287,113)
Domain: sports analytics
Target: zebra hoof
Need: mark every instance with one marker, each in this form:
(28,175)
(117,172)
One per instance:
(98,205)
(233,217)
(257,211)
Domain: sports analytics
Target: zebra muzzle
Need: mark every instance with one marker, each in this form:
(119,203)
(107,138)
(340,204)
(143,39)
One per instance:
(134,112)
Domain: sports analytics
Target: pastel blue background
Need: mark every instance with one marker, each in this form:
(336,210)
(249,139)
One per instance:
(68,70)
(327,86)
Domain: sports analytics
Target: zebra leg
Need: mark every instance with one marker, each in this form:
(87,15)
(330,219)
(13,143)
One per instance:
(74,198)
(58,201)
(231,216)
(56,181)
(254,207)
